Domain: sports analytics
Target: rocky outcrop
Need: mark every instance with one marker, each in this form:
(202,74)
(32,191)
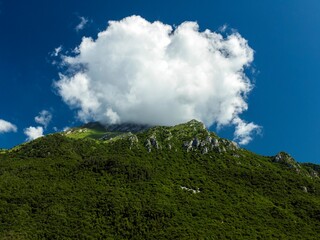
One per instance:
(148,145)
(187,145)
(152,143)
(304,189)
(133,139)
(215,143)
(203,141)
(205,150)
(313,169)
(197,190)
(313,173)
(210,144)
(286,160)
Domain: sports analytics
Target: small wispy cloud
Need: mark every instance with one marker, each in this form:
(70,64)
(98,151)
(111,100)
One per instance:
(33,133)
(6,127)
(223,28)
(244,131)
(82,24)
(44,118)
(57,51)
(66,129)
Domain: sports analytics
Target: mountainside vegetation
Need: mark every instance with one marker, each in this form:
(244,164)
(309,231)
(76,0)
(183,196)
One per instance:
(142,182)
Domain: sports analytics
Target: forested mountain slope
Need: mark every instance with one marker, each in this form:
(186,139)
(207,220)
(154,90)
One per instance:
(142,182)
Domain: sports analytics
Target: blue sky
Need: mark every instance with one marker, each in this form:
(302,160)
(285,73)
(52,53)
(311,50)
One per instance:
(283,34)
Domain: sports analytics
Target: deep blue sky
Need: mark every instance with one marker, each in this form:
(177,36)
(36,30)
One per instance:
(285,36)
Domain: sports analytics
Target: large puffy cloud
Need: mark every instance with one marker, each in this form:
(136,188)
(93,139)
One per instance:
(33,132)
(6,126)
(143,72)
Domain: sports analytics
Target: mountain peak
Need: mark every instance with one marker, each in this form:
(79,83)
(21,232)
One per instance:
(195,122)
(192,124)
(286,160)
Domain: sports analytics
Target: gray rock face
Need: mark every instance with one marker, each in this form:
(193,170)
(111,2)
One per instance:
(287,160)
(233,145)
(204,150)
(148,145)
(215,142)
(210,144)
(188,145)
(152,143)
(304,189)
(313,173)
(222,149)
(133,139)
(283,157)
(313,170)
(196,143)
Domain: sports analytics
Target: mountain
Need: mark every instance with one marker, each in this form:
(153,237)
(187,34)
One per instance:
(98,131)
(130,181)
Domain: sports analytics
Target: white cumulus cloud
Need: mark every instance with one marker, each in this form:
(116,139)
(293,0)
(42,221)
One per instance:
(33,132)
(151,73)
(6,126)
(44,118)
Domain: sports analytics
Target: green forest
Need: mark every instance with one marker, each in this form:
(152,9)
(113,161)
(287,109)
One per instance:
(179,182)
